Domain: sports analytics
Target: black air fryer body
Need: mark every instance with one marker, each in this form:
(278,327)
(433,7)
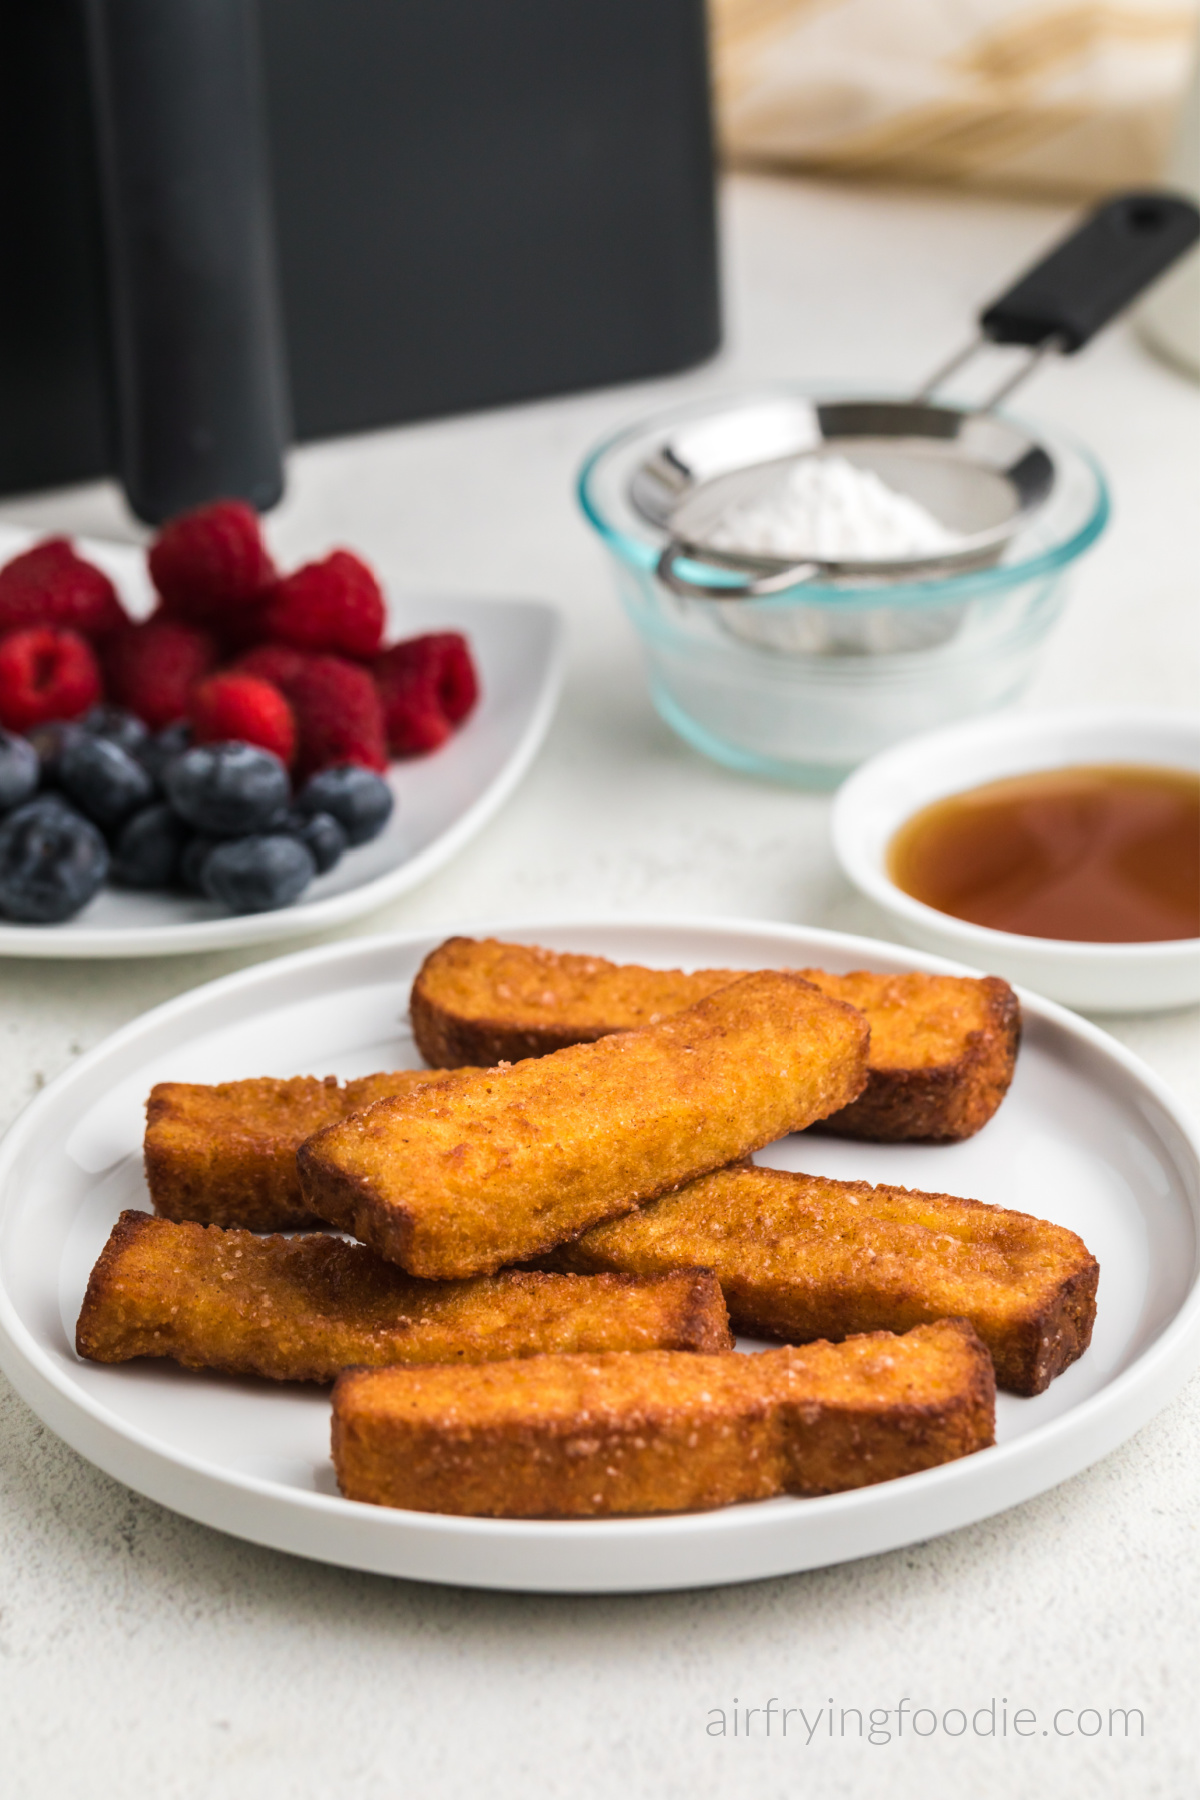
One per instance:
(473,203)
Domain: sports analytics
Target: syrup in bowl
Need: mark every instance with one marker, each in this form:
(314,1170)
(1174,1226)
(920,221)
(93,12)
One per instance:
(1092,854)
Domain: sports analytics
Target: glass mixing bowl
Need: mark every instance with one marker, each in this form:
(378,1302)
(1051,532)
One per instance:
(807,684)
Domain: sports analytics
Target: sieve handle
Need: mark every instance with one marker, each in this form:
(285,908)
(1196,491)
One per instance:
(751,587)
(1094,274)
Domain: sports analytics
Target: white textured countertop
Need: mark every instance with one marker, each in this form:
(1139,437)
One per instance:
(142,1653)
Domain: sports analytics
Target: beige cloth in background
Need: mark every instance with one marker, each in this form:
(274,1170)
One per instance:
(1034,94)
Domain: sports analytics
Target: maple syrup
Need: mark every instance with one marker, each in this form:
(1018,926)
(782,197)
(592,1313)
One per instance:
(1101,855)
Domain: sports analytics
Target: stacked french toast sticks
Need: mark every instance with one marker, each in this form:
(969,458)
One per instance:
(552,1230)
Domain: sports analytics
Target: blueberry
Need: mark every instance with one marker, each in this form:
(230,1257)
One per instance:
(117,725)
(103,780)
(228,789)
(49,741)
(192,860)
(359,800)
(20,770)
(148,848)
(51,862)
(255,874)
(323,835)
(154,753)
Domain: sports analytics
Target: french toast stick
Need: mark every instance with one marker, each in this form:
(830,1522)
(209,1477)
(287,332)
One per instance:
(598,1436)
(302,1308)
(941,1058)
(942,1046)
(943,1052)
(460,1178)
(803,1256)
(226,1155)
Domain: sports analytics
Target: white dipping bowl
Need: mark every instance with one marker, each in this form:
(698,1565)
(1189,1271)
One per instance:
(872,805)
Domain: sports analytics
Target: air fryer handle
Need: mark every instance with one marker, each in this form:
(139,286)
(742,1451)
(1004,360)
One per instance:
(196,337)
(1118,250)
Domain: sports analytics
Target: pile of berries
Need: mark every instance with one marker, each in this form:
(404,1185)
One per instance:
(232,743)
(105,799)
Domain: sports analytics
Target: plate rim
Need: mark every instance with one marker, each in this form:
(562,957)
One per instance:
(239,930)
(927,1504)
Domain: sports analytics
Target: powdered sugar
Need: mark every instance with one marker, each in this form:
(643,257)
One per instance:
(829,509)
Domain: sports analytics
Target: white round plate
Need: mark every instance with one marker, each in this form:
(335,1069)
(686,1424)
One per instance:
(1087,1137)
(442,800)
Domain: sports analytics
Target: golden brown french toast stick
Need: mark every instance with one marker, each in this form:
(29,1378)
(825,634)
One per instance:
(594,1436)
(226,1155)
(301,1308)
(802,1256)
(509,1001)
(501,1165)
(942,1046)
(943,1052)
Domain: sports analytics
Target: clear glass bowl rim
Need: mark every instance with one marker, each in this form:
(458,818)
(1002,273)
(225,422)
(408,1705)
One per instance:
(643,554)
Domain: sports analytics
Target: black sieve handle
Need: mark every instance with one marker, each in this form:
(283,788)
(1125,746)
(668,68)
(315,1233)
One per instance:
(1118,250)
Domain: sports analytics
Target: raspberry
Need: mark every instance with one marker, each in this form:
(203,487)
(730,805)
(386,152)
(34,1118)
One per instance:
(210,564)
(46,673)
(335,702)
(428,686)
(414,721)
(276,663)
(50,585)
(338,715)
(247,708)
(152,668)
(457,679)
(333,605)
